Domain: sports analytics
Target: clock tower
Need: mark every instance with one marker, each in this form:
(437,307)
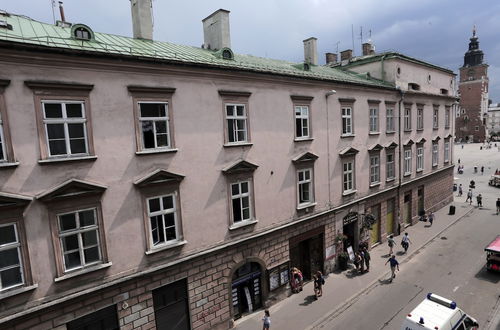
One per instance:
(470,122)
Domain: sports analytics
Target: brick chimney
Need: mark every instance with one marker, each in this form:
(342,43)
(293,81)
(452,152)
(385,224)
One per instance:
(216,30)
(142,19)
(346,54)
(311,51)
(331,58)
(368,49)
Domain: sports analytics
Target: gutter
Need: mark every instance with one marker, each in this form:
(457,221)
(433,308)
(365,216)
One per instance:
(400,176)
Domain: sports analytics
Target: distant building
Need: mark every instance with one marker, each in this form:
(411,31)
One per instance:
(148,185)
(470,123)
(493,120)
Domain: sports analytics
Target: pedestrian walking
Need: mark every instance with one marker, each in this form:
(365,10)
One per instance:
(362,261)
(482,170)
(390,241)
(367,258)
(459,160)
(394,265)
(357,260)
(405,242)
(469,196)
(498,205)
(460,190)
(266,320)
(479,199)
(318,284)
(431,218)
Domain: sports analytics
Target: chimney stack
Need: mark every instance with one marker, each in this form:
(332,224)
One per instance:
(142,19)
(368,49)
(216,30)
(346,55)
(61,11)
(331,58)
(311,51)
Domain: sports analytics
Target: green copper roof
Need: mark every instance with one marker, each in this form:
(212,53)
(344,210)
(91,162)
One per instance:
(27,31)
(355,61)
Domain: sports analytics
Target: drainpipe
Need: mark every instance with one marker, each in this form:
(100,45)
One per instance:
(382,70)
(400,154)
(331,92)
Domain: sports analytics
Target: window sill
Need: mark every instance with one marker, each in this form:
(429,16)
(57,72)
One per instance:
(435,128)
(374,133)
(67,159)
(166,247)
(347,135)
(243,224)
(82,271)
(155,151)
(420,170)
(8,164)
(17,290)
(349,192)
(305,206)
(420,129)
(447,127)
(407,130)
(390,179)
(375,184)
(434,165)
(243,144)
(390,132)
(303,139)
(407,174)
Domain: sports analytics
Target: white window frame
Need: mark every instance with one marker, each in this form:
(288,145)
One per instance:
(163,211)
(347,122)
(240,196)
(10,246)
(305,183)
(235,119)
(374,169)
(447,112)
(3,149)
(420,118)
(446,151)
(390,119)
(407,119)
(165,119)
(374,120)
(65,121)
(420,158)
(79,231)
(348,184)
(391,170)
(407,161)
(435,118)
(304,122)
(435,154)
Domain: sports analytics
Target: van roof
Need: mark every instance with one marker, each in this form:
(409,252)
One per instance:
(435,314)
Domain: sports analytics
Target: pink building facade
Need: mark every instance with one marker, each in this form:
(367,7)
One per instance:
(137,190)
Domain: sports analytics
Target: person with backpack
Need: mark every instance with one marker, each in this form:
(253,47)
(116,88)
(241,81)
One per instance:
(405,242)
(266,320)
(431,218)
(390,242)
(319,281)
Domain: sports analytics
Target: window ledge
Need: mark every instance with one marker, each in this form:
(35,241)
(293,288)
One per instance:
(420,129)
(390,179)
(390,132)
(447,127)
(243,144)
(155,151)
(407,130)
(305,206)
(8,164)
(82,271)
(349,192)
(374,133)
(66,159)
(17,290)
(347,135)
(303,139)
(446,161)
(375,184)
(166,247)
(242,224)
(420,170)
(435,128)
(434,165)
(407,174)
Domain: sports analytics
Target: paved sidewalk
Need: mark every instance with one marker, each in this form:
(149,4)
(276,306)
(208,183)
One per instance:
(301,311)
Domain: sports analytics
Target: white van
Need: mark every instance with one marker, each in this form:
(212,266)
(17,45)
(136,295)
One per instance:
(436,312)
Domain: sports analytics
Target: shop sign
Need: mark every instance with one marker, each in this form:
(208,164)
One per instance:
(350,218)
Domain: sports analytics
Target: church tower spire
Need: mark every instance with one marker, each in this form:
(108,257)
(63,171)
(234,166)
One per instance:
(474,56)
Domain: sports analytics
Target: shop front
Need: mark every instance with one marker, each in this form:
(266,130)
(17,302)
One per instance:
(246,289)
(307,252)
(350,229)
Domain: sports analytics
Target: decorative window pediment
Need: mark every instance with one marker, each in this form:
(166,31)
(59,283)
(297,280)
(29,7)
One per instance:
(241,166)
(159,176)
(305,157)
(408,142)
(436,139)
(391,145)
(449,136)
(8,200)
(375,147)
(73,188)
(421,140)
(349,151)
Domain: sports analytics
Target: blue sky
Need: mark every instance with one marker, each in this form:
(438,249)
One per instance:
(434,31)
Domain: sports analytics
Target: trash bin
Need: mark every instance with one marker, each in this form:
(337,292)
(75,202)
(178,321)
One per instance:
(455,187)
(452,210)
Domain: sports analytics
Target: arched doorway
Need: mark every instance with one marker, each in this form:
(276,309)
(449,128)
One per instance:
(246,289)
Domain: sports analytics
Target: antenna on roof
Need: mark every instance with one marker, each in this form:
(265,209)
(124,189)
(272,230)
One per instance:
(337,45)
(53,4)
(352,36)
